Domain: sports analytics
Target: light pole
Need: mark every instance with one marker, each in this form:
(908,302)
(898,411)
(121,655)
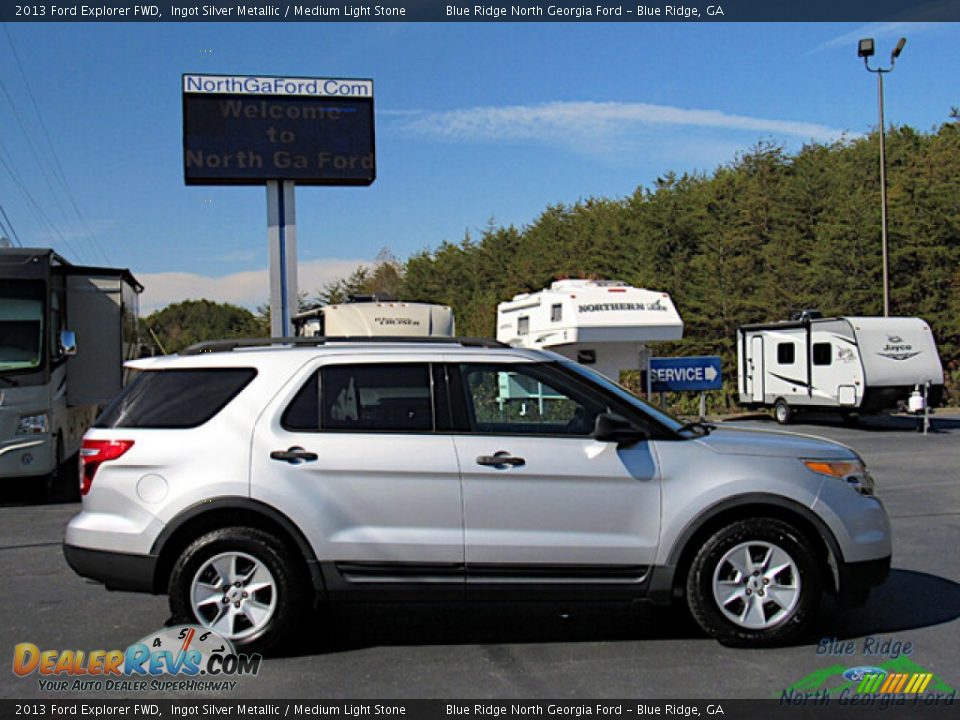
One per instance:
(865,49)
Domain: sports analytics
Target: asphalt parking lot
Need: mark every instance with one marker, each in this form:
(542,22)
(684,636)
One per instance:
(530,650)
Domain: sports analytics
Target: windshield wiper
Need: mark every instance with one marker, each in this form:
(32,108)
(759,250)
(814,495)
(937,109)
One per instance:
(702,427)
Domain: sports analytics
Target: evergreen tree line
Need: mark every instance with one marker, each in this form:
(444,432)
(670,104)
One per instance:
(767,234)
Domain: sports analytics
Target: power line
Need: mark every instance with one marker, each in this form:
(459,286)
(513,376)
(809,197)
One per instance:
(34,205)
(10,231)
(40,161)
(57,166)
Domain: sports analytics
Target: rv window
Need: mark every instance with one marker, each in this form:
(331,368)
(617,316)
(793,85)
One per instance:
(786,353)
(379,398)
(822,353)
(556,313)
(523,326)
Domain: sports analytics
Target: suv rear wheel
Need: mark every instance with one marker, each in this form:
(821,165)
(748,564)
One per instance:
(240,583)
(756,582)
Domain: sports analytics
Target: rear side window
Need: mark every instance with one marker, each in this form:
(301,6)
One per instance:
(174,398)
(363,398)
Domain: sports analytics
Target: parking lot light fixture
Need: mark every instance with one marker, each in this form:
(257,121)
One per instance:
(866,49)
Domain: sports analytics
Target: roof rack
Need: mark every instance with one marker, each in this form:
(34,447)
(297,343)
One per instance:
(228,345)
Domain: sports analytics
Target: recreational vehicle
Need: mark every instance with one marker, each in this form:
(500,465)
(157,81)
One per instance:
(65,332)
(366,316)
(846,364)
(603,324)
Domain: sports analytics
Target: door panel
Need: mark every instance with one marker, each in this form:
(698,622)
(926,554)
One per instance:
(370,495)
(573,502)
(757,367)
(559,498)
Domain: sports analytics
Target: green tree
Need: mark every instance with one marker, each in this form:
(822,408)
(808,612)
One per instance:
(183,324)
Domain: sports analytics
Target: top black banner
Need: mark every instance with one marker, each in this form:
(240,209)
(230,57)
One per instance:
(486,11)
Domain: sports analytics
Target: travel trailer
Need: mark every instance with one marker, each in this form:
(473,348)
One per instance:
(366,316)
(65,332)
(846,364)
(603,324)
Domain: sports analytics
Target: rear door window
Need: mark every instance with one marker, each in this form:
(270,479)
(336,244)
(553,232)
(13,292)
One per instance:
(174,398)
(394,397)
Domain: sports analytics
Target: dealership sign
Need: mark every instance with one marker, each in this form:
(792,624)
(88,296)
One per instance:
(247,130)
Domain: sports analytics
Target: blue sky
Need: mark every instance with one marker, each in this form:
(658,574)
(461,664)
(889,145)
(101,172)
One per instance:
(474,122)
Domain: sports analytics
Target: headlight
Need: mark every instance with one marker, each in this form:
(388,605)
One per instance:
(32,424)
(852,471)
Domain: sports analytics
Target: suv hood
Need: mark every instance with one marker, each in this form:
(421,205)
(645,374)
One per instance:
(771,443)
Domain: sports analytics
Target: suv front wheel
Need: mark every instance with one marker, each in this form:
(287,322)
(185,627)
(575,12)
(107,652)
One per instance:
(756,583)
(240,583)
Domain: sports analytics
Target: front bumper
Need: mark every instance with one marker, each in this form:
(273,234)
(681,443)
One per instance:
(118,571)
(26,456)
(856,579)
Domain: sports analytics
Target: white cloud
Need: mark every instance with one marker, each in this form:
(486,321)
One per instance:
(247,289)
(596,125)
(875,31)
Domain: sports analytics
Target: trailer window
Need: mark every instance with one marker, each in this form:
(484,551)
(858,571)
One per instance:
(822,353)
(523,326)
(556,313)
(786,353)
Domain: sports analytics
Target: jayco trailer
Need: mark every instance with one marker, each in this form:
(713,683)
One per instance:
(847,364)
(365,316)
(604,324)
(65,332)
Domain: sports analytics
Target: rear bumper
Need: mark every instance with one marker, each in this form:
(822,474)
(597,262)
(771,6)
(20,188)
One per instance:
(118,571)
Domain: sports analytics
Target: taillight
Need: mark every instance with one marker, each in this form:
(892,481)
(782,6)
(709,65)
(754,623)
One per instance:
(95,452)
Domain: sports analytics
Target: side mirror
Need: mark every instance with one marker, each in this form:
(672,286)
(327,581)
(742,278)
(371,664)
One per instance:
(68,343)
(611,427)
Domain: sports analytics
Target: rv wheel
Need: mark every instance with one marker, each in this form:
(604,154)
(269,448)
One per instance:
(782,411)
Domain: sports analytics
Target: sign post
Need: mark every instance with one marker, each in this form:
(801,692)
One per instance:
(277,131)
(282,241)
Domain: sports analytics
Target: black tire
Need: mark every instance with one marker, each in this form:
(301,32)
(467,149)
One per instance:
(292,587)
(46,485)
(782,411)
(700,580)
(851,418)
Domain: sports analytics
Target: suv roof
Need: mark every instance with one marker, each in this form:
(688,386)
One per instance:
(288,352)
(281,342)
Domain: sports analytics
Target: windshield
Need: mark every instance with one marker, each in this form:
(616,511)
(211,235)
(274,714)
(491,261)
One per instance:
(21,325)
(653,411)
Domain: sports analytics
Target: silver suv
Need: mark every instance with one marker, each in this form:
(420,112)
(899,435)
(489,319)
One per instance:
(253,480)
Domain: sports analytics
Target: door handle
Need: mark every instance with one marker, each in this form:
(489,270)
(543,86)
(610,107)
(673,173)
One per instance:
(294,455)
(500,460)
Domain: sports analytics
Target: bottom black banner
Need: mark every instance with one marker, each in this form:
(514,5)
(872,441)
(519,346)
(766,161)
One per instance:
(792,707)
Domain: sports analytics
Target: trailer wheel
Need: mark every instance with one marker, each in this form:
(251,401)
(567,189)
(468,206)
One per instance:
(782,411)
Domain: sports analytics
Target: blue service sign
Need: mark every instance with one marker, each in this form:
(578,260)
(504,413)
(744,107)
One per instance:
(674,374)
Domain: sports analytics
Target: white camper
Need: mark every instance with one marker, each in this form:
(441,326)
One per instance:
(604,324)
(365,316)
(847,364)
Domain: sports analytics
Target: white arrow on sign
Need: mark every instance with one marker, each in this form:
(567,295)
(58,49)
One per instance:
(710,372)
